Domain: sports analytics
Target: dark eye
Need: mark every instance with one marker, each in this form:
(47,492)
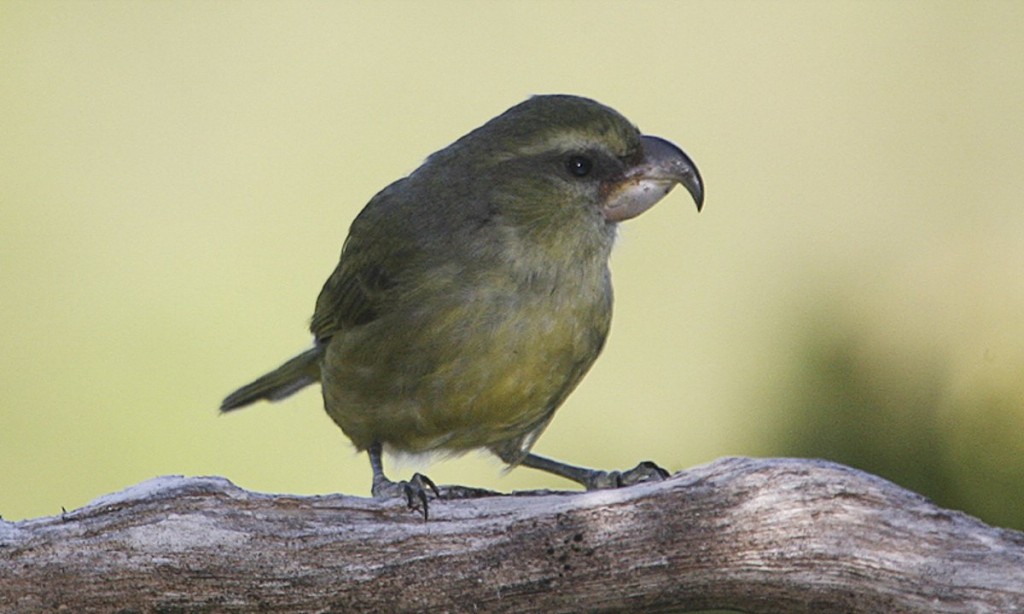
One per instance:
(579,166)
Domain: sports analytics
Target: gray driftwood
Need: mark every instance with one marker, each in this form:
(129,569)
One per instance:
(772,535)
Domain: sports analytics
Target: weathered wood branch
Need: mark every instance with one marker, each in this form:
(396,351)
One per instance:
(775,535)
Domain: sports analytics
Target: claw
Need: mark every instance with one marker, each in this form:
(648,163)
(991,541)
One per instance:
(642,473)
(414,491)
(646,471)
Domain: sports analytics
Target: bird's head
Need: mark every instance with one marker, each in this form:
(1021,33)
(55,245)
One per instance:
(554,174)
(557,157)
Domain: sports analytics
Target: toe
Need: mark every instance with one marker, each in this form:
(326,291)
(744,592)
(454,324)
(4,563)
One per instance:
(642,473)
(416,491)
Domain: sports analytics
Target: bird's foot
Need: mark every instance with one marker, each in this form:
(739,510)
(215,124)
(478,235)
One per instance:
(642,473)
(415,491)
(596,479)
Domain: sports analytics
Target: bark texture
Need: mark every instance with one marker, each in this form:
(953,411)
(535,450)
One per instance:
(755,535)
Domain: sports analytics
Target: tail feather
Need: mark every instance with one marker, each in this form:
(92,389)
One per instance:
(283,381)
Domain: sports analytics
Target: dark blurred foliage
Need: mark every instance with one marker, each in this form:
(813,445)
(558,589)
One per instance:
(863,400)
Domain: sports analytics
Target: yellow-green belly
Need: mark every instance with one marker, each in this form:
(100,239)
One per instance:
(477,368)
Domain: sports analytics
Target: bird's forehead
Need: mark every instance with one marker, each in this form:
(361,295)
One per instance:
(619,143)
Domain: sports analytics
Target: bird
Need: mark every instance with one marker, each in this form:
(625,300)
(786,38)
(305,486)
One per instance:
(472,295)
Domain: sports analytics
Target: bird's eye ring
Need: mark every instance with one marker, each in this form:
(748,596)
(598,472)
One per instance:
(579,166)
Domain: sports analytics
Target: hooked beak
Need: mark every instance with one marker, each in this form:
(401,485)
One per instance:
(663,166)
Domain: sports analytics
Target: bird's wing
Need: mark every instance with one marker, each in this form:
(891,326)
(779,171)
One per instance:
(394,249)
(380,247)
(354,292)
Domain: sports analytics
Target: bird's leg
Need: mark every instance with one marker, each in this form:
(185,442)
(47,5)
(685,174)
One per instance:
(595,479)
(413,491)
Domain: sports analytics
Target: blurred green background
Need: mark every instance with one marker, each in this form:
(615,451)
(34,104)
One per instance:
(176,180)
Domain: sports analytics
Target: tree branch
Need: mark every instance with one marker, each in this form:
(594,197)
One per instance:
(772,535)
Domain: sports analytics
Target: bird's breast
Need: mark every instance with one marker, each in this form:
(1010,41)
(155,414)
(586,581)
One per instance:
(483,357)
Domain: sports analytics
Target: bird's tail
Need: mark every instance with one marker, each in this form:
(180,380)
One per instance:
(283,381)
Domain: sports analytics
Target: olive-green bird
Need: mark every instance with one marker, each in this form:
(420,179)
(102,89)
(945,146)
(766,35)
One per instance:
(473,295)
